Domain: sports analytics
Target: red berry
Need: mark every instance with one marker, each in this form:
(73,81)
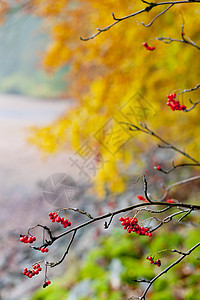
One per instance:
(151,261)
(170,201)
(58,219)
(158,262)
(141,197)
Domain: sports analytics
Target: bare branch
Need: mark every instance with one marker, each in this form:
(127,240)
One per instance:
(166,220)
(189,90)
(83,212)
(146,130)
(168,268)
(193,106)
(164,11)
(146,9)
(106,225)
(168,40)
(176,166)
(45,228)
(185,215)
(177,184)
(66,252)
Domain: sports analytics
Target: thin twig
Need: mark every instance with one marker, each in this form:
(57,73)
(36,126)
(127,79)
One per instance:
(146,130)
(176,166)
(45,228)
(185,215)
(168,40)
(106,225)
(83,212)
(193,106)
(177,184)
(66,252)
(168,268)
(146,9)
(189,90)
(164,11)
(123,210)
(166,220)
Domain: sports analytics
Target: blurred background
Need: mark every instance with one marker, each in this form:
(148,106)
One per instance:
(57,96)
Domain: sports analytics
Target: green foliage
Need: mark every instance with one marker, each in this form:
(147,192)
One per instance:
(130,251)
(163,295)
(51,293)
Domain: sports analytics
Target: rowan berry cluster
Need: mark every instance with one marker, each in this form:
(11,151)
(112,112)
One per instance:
(35,271)
(131,225)
(46,283)
(43,249)
(174,104)
(54,217)
(147,47)
(157,262)
(141,198)
(27,239)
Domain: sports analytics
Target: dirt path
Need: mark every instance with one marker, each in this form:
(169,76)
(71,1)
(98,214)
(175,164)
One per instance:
(21,173)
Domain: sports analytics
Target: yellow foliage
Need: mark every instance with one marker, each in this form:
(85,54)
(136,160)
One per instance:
(4,7)
(114,79)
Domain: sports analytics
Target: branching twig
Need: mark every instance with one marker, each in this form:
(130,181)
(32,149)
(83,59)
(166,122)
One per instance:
(176,166)
(164,11)
(167,219)
(177,184)
(189,90)
(106,225)
(183,255)
(146,130)
(146,9)
(185,215)
(168,40)
(193,105)
(45,228)
(66,252)
(83,212)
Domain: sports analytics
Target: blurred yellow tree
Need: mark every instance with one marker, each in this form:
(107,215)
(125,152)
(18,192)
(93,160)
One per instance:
(114,79)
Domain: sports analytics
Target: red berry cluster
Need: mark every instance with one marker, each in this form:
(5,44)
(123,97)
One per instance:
(55,217)
(31,273)
(43,249)
(147,47)
(141,198)
(157,262)
(46,283)
(27,239)
(131,225)
(174,104)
